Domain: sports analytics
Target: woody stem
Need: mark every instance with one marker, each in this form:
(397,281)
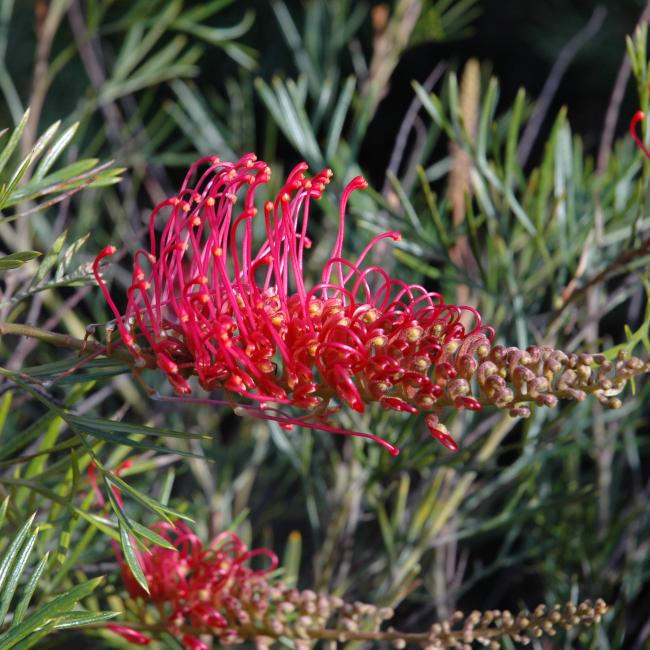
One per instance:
(62,340)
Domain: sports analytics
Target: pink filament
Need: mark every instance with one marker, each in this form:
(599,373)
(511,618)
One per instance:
(639,116)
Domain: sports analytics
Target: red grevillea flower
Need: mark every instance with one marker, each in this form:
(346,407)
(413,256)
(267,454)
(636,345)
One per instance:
(199,589)
(206,302)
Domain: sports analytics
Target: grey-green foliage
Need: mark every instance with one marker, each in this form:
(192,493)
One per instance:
(32,184)
(31,177)
(22,624)
(323,113)
(50,443)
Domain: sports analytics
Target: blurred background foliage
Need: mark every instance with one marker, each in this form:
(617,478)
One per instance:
(519,202)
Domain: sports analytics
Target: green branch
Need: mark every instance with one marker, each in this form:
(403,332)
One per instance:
(64,341)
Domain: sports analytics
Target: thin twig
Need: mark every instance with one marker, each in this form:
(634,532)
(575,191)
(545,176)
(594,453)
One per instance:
(46,32)
(561,65)
(90,49)
(611,117)
(48,21)
(94,69)
(27,345)
(408,121)
(620,261)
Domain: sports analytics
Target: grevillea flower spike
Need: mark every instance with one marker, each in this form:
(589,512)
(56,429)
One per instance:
(198,588)
(205,302)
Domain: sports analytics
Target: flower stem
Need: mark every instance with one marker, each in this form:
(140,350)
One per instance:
(63,340)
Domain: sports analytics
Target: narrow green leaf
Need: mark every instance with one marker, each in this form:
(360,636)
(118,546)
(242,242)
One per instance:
(163,58)
(511,143)
(5,407)
(166,487)
(432,104)
(183,67)
(3,510)
(68,256)
(407,205)
(23,256)
(50,259)
(54,191)
(425,507)
(204,10)
(54,152)
(488,109)
(74,465)
(473,225)
(35,487)
(32,639)
(107,177)
(135,443)
(103,424)
(291,118)
(44,140)
(15,573)
(102,524)
(201,128)
(387,531)
(81,618)
(432,204)
(47,613)
(13,141)
(295,121)
(7,190)
(163,511)
(291,558)
(151,535)
(324,97)
(16,260)
(399,510)
(454,111)
(338,117)
(69,173)
(240,54)
(13,549)
(417,264)
(127,58)
(131,558)
(215,35)
(29,589)
(295,43)
(239,519)
(138,44)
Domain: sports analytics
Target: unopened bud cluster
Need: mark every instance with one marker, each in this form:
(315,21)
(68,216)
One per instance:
(487,628)
(515,379)
(304,616)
